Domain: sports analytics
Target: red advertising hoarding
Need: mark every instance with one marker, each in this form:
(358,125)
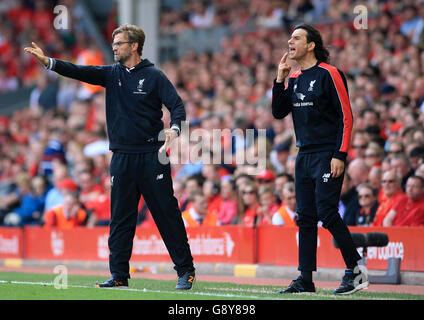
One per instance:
(279,245)
(208,244)
(274,245)
(11,243)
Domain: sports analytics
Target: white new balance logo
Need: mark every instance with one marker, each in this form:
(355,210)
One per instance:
(326,176)
(159,176)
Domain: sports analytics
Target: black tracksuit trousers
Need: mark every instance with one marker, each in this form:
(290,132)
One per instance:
(317,199)
(139,174)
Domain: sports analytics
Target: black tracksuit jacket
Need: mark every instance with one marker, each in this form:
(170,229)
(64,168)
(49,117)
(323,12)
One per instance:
(134,99)
(318,100)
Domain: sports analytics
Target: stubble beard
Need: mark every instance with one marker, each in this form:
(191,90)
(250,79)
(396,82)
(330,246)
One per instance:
(121,58)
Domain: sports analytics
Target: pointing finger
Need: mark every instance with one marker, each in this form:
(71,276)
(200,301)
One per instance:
(284,58)
(166,144)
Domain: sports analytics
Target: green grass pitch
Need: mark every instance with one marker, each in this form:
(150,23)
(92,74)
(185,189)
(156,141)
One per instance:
(35,286)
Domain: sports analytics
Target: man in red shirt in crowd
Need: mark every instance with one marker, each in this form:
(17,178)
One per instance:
(392,187)
(409,212)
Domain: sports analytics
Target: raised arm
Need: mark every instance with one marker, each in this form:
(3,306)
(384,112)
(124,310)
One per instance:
(91,74)
(281,103)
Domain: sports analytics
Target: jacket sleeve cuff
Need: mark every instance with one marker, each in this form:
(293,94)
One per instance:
(340,155)
(51,64)
(176,128)
(278,84)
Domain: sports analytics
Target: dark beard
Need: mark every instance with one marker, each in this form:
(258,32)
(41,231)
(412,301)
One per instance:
(122,59)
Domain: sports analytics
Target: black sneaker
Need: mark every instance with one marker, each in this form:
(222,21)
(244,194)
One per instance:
(299,286)
(186,281)
(352,282)
(113,283)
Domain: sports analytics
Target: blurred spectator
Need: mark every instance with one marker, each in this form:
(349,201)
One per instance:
(202,15)
(410,212)
(54,196)
(374,179)
(31,206)
(242,180)
(198,214)
(99,207)
(11,200)
(267,205)
(420,171)
(392,186)
(357,173)
(54,151)
(367,197)
(89,189)
(229,203)
(286,214)
(249,205)
(67,215)
(395,148)
(266,179)
(416,157)
(400,163)
(359,144)
(192,183)
(89,56)
(373,156)
(280,154)
(410,20)
(281,179)
(179,192)
(348,204)
(212,192)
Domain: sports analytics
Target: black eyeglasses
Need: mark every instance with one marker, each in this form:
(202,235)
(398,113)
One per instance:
(360,147)
(249,192)
(387,181)
(364,196)
(119,43)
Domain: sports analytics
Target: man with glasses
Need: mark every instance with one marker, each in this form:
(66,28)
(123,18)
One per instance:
(367,197)
(391,183)
(135,93)
(359,144)
(411,212)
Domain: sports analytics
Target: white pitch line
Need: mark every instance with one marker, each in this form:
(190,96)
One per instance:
(317,295)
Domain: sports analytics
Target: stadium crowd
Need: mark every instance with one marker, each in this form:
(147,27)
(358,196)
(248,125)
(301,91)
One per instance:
(54,154)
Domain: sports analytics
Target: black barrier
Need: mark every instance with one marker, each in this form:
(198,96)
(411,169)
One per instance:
(376,239)
(359,240)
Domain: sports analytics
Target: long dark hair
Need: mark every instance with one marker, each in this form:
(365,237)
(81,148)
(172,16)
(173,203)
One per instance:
(313,35)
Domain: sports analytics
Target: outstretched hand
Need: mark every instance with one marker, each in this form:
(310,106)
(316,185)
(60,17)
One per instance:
(38,53)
